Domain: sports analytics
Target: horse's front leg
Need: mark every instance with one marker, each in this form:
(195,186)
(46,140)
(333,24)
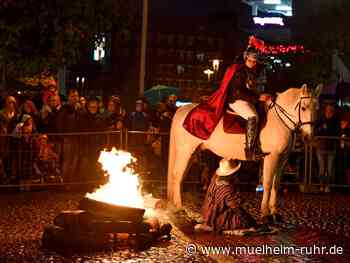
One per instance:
(273,204)
(270,165)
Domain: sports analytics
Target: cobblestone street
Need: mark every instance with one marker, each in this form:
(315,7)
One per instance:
(310,220)
(23,217)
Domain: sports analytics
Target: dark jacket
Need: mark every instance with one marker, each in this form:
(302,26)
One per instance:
(238,89)
(138,121)
(49,124)
(91,143)
(7,125)
(67,119)
(166,118)
(330,127)
(111,118)
(91,122)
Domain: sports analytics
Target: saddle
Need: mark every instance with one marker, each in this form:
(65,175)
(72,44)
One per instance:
(233,123)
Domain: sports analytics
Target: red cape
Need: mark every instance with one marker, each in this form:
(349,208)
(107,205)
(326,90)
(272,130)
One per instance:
(202,120)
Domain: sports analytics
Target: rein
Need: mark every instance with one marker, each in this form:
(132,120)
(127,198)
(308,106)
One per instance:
(297,125)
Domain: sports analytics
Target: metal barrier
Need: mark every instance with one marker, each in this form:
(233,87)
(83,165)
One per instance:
(53,159)
(151,150)
(328,161)
(71,158)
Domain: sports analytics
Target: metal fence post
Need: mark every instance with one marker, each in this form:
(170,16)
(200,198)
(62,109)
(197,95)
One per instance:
(306,163)
(121,139)
(126,139)
(310,164)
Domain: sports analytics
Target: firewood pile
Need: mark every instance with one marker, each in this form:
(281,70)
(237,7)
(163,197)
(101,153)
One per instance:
(97,226)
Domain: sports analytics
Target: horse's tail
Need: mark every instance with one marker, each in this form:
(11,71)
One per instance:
(171,160)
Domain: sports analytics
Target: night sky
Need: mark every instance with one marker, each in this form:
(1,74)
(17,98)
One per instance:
(189,7)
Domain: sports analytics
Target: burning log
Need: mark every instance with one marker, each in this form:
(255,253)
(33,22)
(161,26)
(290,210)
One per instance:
(153,223)
(79,230)
(146,240)
(85,221)
(109,215)
(73,219)
(111,212)
(119,227)
(56,238)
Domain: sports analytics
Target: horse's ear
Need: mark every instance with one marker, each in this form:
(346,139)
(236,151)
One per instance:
(318,90)
(304,90)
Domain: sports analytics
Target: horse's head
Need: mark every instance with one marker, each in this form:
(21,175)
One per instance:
(305,109)
(296,108)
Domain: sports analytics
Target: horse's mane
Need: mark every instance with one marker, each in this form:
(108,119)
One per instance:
(290,90)
(293,89)
(290,93)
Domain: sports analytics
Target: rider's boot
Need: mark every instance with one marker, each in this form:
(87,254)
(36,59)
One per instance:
(252,153)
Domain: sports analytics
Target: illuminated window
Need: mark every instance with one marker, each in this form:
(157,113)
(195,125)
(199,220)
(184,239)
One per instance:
(287,9)
(180,69)
(272,2)
(99,51)
(200,57)
(283,8)
(289,13)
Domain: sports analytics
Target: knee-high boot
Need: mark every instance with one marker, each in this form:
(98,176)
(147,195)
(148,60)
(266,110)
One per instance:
(251,152)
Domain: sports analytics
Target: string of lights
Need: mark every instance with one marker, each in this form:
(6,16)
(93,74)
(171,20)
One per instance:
(282,49)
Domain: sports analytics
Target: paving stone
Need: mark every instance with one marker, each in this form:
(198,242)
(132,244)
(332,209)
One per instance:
(309,219)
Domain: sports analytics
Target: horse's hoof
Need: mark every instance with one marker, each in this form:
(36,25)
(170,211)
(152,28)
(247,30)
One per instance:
(267,220)
(161,204)
(277,219)
(170,206)
(179,211)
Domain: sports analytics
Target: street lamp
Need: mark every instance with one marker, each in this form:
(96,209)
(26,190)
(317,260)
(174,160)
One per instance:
(208,72)
(216,64)
(143,48)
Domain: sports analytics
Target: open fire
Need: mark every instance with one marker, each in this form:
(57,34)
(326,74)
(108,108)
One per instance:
(123,187)
(117,207)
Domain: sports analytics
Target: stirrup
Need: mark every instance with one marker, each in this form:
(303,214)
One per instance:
(254,154)
(259,155)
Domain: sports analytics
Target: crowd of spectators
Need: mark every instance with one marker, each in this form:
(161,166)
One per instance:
(332,152)
(45,139)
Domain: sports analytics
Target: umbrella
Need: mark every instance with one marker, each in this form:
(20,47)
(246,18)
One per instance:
(157,93)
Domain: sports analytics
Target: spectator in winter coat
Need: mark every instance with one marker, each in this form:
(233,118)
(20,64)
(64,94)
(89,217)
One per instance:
(328,125)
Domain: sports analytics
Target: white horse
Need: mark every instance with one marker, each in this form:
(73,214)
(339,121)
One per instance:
(292,110)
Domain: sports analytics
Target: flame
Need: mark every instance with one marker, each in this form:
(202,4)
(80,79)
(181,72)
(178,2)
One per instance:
(123,185)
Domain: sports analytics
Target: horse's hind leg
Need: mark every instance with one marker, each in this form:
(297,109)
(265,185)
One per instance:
(180,166)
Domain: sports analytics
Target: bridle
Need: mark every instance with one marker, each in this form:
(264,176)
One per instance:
(280,110)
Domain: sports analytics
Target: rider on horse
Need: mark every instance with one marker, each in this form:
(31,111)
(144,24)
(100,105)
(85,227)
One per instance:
(242,96)
(236,92)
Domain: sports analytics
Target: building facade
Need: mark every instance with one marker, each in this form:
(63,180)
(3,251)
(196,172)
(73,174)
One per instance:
(179,51)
